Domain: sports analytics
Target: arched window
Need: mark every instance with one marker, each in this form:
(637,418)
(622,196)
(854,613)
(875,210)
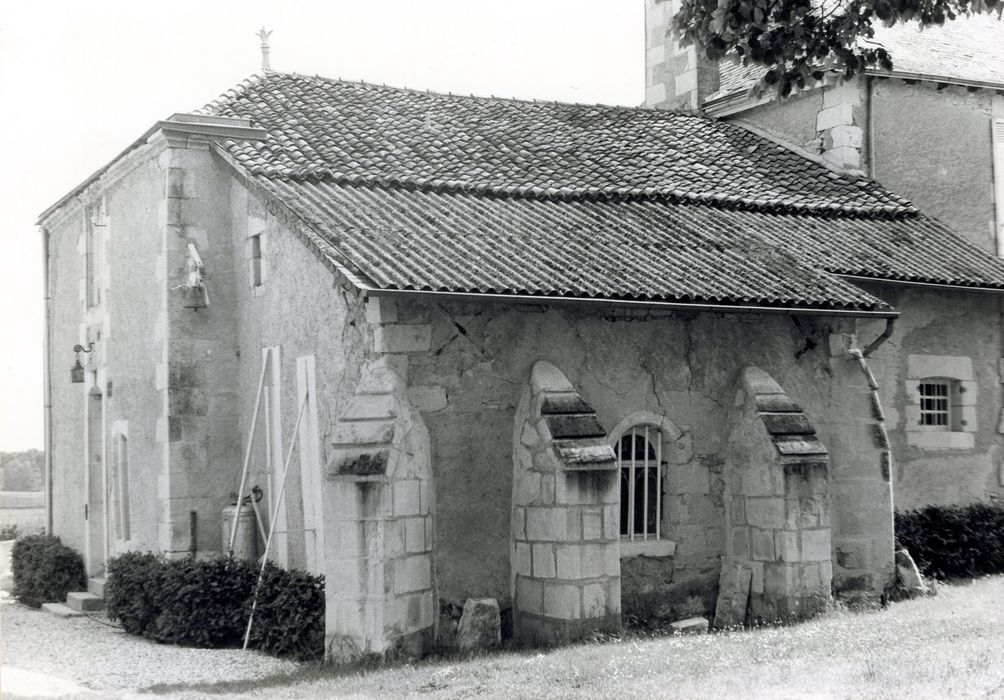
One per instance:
(639,457)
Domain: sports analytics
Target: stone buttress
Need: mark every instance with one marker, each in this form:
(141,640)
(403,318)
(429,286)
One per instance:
(378,519)
(778,561)
(565,541)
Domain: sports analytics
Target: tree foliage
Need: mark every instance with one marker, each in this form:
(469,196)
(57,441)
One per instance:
(799,41)
(22,471)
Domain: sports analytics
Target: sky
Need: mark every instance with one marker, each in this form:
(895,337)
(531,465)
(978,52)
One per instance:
(80,81)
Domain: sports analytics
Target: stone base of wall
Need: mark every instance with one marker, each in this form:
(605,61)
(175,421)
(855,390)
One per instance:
(537,630)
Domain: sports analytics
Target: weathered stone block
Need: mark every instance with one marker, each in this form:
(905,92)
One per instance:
(569,561)
(741,542)
(546,524)
(592,524)
(561,600)
(763,545)
(412,574)
(519,522)
(841,113)
(407,497)
(765,513)
(593,560)
(480,625)
(582,425)
(787,424)
(543,561)
(776,403)
(786,546)
(381,310)
(692,625)
(733,594)
(523,559)
(529,595)
(414,534)
(852,555)
(563,403)
(365,432)
(364,406)
(816,545)
(594,600)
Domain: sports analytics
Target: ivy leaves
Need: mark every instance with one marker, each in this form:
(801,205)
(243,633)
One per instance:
(800,41)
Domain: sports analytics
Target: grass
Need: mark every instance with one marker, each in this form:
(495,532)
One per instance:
(947,646)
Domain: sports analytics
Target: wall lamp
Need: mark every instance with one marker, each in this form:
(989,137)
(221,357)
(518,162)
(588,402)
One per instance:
(77,371)
(195,295)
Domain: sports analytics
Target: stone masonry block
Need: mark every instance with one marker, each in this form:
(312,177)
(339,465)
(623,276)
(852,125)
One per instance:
(523,559)
(546,524)
(381,310)
(786,545)
(594,600)
(741,542)
(369,406)
(529,595)
(816,545)
(402,338)
(593,560)
(365,432)
(407,500)
(412,574)
(519,522)
(845,135)
(763,545)
(834,116)
(569,561)
(561,600)
(543,561)
(765,513)
(611,522)
(428,399)
(685,82)
(843,157)
(592,524)
(414,535)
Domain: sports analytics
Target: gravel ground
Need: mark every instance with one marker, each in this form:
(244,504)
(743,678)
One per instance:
(105,659)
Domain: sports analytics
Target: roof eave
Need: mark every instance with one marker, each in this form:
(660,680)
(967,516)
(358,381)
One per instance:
(934,78)
(946,286)
(632,303)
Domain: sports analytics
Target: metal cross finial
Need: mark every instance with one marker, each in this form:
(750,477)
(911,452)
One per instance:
(264,35)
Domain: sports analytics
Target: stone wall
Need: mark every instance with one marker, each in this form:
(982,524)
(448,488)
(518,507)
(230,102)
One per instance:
(680,368)
(944,334)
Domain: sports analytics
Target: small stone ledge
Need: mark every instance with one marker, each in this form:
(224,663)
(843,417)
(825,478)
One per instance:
(648,548)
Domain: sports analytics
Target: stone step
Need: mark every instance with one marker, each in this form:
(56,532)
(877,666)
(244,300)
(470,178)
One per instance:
(84,602)
(60,610)
(96,586)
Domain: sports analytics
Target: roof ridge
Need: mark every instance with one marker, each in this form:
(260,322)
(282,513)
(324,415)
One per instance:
(599,193)
(261,77)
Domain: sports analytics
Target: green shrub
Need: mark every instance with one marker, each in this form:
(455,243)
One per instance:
(45,570)
(132,590)
(9,532)
(954,541)
(207,604)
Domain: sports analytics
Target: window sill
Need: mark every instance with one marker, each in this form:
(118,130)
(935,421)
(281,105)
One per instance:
(940,440)
(647,548)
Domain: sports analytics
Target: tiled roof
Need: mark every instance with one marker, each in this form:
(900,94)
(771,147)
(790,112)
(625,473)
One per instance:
(965,49)
(968,49)
(357,133)
(414,191)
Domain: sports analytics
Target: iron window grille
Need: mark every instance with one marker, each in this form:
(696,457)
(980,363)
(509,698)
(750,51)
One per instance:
(935,408)
(639,459)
